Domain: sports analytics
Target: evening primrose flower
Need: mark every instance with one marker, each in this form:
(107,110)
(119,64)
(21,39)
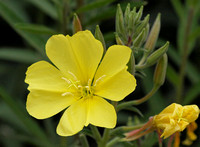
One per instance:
(175,118)
(79,81)
(170,122)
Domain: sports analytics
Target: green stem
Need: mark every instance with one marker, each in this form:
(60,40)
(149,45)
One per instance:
(96,133)
(180,87)
(79,4)
(63,141)
(83,140)
(143,59)
(106,136)
(64,15)
(139,101)
(124,129)
(113,141)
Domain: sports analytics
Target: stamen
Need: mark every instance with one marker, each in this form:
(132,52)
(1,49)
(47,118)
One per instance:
(67,93)
(99,79)
(89,82)
(68,81)
(75,78)
(88,87)
(79,86)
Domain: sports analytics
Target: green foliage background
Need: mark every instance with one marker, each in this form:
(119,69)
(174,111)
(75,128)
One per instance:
(27,24)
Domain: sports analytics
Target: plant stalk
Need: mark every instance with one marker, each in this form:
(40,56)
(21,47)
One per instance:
(180,87)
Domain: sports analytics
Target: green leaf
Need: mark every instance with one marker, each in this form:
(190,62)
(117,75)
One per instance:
(192,94)
(178,7)
(134,109)
(8,117)
(94,5)
(110,12)
(19,111)
(35,28)
(101,16)
(18,8)
(19,55)
(191,70)
(172,76)
(194,34)
(37,41)
(46,6)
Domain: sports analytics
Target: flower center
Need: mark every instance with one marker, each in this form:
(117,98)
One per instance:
(85,91)
(77,89)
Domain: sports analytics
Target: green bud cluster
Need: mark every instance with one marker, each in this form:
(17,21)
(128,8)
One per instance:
(130,29)
(135,32)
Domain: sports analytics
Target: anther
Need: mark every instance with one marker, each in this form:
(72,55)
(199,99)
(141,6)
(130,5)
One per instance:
(67,93)
(75,78)
(99,79)
(68,81)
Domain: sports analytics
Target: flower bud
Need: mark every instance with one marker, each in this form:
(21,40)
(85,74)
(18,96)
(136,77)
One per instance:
(153,36)
(99,36)
(139,14)
(126,14)
(120,28)
(146,32)
(76,24)
(155,56)
(131,23)
(142,25)
(118,39)
(139,39)
(160,71)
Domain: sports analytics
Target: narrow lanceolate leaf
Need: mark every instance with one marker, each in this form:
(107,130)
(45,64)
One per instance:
(37,41)
(46,6)
(19,55)
(30,124)
(178,7)
(192,94)
(99,36)
(153,36)
(35,28)
(94,5)
(172,75)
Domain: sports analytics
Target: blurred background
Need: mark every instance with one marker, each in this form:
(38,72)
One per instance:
(27,24)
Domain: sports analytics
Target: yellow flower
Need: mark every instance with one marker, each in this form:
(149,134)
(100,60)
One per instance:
(79,82)
(175,118)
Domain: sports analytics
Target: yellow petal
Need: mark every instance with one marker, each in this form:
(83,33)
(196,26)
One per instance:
(117,87)
(73,119)
(88,51)
(190,113)
(170,130)
(190,131)
(43,104)
(60,52)
(170,109)
(101,113)
(42,75)
(114,61)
